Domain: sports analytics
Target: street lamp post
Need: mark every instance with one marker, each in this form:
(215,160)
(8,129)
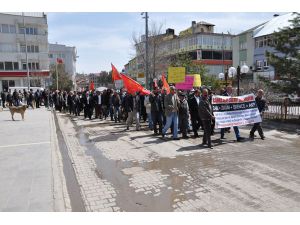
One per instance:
(244,69)
(146,50)
(25,40)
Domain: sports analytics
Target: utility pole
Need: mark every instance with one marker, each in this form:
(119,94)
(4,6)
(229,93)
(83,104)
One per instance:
(27,68)
(56,75)
(146,50)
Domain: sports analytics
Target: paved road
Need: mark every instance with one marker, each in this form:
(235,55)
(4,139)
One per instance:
(27,158)
(121,170)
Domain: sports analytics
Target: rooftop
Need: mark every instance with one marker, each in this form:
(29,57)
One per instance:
(29,14)
(274,25)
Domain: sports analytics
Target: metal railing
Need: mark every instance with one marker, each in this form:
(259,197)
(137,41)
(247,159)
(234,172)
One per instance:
(279,110)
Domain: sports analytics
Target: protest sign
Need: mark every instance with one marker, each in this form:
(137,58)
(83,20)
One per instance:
(176,75)
(235,111)
(187,84)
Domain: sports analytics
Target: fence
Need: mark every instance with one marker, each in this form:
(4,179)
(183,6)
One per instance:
(278,110)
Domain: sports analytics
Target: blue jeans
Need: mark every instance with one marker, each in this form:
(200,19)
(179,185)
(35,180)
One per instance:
(236,131)
(116,113)
(150,122)
(173,118)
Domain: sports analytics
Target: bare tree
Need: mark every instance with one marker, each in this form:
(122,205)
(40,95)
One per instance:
(157,49)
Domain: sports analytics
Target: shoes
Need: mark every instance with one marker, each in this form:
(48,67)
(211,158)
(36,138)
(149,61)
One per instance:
(223,138)
(211,146)
(204,143)
(240,139)
(176,139)
(196,135)
(185,137)
(251,136)
(127,128)
(262,137)
(163,135)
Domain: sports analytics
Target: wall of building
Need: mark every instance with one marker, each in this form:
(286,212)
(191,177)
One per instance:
(13,49)
(67,54)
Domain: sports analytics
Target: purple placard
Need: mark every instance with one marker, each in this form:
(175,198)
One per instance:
(187,85)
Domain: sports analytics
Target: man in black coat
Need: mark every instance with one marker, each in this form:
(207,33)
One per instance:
(88,105)
(37,96)
(3,97)
(205,110)
(156,110)
(261,105)
(195,117)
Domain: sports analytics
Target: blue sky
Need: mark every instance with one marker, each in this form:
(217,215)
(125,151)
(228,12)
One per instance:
(102,38)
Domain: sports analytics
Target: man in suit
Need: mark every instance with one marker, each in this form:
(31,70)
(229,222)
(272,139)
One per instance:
(205,110)
(156,110)
(98,105)
(195,117)
(171,103)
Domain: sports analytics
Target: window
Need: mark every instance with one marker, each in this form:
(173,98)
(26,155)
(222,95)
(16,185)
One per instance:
(16,66)
(36,48)
(51,56)
(1,66)
(29,66)
(24,67)
(217,55)
(11,83)
(8,65)
(12,29)
(228,55)
(37,66)
(35,31)
(258,65)
(5,28)
(206,54)
(266,63)
(21,30)
(23,48)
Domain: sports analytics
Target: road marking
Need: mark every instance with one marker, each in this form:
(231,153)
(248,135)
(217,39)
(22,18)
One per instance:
(35,143)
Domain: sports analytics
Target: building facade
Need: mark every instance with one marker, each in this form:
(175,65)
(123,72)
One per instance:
(23,44)
(68,56)
(263,38)
(214,50)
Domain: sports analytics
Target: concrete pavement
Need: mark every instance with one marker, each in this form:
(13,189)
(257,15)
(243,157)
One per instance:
(121,170)
(28,157)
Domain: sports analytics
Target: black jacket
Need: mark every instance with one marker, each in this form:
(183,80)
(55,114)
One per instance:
(205,110)
(156,103)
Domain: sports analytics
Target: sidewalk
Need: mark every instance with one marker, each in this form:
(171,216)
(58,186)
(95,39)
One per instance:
(26,176)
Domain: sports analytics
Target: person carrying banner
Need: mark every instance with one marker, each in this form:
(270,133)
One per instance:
(205,110)
(261,105)
(228,92)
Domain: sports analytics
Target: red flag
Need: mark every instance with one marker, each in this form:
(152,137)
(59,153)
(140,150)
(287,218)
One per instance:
(132,86)
(165,84)
(59,61)
(92,86)
(115,73)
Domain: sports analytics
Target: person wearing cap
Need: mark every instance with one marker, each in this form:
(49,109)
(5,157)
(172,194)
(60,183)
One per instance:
(183,115)
(205,109)
(171,103)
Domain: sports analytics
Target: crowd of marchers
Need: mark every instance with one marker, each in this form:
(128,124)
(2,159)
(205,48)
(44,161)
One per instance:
(178,111)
